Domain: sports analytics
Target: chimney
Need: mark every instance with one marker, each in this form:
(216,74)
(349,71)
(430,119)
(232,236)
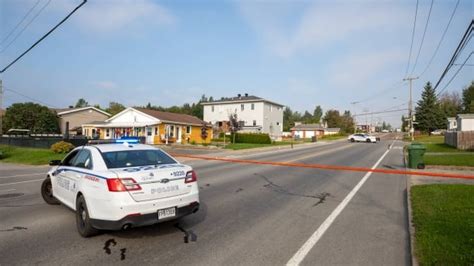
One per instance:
(239,95)
(246,95)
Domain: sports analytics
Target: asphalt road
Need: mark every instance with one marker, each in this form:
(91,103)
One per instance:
(250,215)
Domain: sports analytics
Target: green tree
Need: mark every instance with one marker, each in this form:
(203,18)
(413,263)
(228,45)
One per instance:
(404,124)
(429,115)
(468,98)
(81,103)
(288,122)
(451,104)
(347,122)
(333,118)
(32,116)
(317,114)
(115,108)
(307,117)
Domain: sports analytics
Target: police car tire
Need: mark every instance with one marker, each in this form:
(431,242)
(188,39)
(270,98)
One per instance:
(47,192)
(84,226)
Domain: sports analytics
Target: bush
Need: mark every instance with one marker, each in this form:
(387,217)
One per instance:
(62,147)
(255,138)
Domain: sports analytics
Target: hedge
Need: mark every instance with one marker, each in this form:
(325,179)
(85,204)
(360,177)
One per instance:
(256,138)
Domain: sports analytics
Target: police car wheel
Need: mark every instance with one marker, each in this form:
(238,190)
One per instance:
(83,224)
(47,192)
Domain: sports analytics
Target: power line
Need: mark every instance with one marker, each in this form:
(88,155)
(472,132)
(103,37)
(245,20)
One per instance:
(19,23)
(395,86)
(381,112)
(441,40)
(458,50)
(412,38)
(455,74)
(423,37)
(30,98)
(44,36)
(26,26)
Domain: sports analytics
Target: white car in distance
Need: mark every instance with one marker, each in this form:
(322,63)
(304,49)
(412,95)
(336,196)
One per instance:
(359,137)
(121,185)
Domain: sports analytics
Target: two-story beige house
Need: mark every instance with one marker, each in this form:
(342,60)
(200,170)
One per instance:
(76,117)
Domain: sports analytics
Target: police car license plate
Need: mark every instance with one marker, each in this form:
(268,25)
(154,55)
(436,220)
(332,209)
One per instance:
(166,213)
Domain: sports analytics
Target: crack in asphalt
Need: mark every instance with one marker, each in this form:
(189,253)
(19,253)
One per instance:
(279,189)
(122,253)
(14,228)
(188,235)
(239,189)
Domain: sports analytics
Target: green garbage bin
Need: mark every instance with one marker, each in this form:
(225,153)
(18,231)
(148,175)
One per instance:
(415,156)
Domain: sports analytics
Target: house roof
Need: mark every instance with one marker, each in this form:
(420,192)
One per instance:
(63,111)
(465,115)
(239,99)
(172,117)
(308,127)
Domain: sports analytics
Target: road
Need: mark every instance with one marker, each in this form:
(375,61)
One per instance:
(250,215)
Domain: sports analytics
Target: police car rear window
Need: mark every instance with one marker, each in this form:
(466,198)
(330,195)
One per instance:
(131,158)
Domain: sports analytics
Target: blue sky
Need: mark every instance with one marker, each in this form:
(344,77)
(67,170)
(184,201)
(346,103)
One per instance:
(298,53)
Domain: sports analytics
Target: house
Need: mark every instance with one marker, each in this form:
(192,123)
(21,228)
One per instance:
(452,123)
(310,130)
(465,122)
(156,127)
(255,114)
(74,118)
(366,128)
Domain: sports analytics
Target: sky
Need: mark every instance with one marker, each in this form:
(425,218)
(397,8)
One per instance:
(297,53)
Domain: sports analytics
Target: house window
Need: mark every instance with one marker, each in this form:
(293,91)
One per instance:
(242,107)
(252,106)
(254,122)
(107,132)
(188,129)
(156,131)
(212,108)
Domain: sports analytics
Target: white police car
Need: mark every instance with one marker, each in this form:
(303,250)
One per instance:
(121,185)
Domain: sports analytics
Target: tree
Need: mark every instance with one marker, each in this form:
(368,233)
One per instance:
(404,124)
(347,122)
(287,119)
(81,103)
(234,125)
(332,118)
(468,98)
(429,115)
(317,114)
(450,104)
(307,117)
(32,116)
(115,108)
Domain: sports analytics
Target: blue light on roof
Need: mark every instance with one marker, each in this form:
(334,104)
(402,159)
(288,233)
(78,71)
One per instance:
(127,140)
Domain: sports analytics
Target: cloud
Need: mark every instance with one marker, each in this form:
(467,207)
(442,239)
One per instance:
(318,25)
(106,85)
(112,16)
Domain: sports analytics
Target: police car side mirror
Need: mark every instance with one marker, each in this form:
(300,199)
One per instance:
(54,162)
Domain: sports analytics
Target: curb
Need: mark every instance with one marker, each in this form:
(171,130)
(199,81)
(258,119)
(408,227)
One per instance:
(411,227)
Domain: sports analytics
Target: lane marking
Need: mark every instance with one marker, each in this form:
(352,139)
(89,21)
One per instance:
(318,154)
(328,167)
(32,174)
(7,190)
(309,244)
(21,182)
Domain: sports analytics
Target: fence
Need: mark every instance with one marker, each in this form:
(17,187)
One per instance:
(463,140)
(37,142)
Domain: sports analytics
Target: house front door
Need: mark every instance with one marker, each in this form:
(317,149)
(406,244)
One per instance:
(149,135)
(178,134)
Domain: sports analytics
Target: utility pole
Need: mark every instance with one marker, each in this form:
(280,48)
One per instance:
(410,108)
(354,116)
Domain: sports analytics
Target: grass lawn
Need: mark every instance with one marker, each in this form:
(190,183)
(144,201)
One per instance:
(333,137)
(242,146)
(13,154)
(440,147)
(444,224)
(452,159)
(429,139)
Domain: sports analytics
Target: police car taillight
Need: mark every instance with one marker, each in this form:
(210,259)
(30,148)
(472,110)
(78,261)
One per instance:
(190,177)
(122,184)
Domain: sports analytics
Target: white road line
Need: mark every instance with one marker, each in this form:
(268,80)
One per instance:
(309,244)
(7,190)
(32,174)
(21,182)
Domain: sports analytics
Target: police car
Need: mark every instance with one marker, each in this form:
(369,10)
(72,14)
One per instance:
(121,185)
